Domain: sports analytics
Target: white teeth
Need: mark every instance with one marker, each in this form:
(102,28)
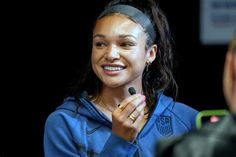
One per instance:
(112,68)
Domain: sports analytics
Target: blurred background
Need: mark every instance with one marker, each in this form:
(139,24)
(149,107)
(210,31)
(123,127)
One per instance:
(45,44)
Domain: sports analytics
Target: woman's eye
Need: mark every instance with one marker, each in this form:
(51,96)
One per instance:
(127,44)
(100,44)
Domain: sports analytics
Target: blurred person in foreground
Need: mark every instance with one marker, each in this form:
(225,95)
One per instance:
(213,139)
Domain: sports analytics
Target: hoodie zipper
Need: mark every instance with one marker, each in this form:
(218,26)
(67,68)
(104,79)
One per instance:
(137,154)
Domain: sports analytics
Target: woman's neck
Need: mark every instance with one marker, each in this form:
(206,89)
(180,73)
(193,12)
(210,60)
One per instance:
(109,98)
(114,96)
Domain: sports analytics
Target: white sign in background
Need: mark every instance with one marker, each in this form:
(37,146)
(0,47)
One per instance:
(217,21)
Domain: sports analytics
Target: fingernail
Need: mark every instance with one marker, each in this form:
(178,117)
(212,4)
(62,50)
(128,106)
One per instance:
(143,97)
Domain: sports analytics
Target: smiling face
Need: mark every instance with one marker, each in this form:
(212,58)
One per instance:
(118,52)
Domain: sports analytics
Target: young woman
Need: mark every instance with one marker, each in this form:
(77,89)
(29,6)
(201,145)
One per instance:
(131,47)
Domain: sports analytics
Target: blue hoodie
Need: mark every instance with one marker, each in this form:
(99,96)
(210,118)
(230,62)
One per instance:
(79,129)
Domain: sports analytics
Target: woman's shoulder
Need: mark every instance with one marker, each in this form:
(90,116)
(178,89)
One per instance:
(176,106)
(181,112)
(63,113)
(69,103)
(73,111)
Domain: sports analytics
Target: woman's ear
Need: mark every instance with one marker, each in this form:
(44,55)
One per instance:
(151,55)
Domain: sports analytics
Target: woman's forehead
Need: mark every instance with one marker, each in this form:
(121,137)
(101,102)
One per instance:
(118,23)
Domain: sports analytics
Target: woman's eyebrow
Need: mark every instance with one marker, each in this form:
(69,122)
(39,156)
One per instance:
(127,36)
(99,35)
(120,36)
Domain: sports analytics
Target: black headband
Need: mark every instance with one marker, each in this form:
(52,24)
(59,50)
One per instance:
(137,15)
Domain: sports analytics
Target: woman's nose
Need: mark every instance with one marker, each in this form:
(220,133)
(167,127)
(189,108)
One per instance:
(112,53)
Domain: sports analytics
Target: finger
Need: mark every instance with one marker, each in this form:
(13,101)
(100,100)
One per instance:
(132,117)
(136,104)
(137,111)
(138,121)
(127,101)
(133,103)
